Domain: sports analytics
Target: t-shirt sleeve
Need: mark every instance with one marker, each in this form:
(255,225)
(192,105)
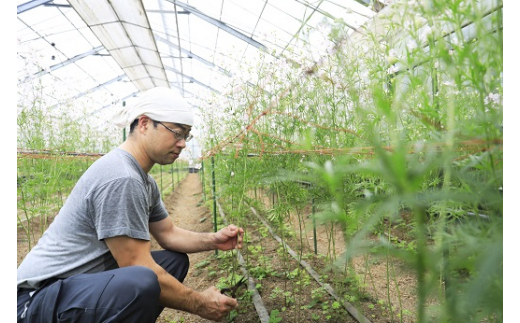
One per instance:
(121,208)
(159,211)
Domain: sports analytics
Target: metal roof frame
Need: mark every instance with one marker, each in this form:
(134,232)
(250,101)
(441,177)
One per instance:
(219,24)
(70,61)
(124,30)
(30,5)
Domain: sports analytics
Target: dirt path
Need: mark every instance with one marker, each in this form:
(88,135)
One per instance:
(188,211)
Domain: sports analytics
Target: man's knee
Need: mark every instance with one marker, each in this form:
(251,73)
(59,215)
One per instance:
(175,263)
(126,294)
(142,282)
(185,266)
(185,260)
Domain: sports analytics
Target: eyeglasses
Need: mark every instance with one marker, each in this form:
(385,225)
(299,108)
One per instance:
(177,135)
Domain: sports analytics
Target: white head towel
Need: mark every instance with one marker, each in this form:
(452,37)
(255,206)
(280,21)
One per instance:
(160,104)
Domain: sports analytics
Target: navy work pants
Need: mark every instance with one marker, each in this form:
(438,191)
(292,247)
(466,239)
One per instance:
(128,294)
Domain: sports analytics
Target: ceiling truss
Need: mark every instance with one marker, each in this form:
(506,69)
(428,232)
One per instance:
(123,28)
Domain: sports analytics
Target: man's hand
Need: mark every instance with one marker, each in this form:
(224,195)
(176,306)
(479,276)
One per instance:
(216,306)
(229,238)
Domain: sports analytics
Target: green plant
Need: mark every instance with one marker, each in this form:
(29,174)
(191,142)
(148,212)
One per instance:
(274,316)
(402,133)
(202,264)
(231,316)
(275,292)
(288,297)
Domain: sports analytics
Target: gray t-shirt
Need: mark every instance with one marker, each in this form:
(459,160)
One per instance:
(114,197)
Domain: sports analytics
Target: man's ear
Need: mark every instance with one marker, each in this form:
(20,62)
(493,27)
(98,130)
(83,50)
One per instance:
(143,122)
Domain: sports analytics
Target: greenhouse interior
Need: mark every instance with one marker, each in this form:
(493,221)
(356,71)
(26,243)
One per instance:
(358,143)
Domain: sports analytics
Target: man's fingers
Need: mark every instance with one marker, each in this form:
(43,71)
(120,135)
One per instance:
(231,303)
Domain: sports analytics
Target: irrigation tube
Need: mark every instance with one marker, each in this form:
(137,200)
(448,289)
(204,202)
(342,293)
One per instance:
(257,299)
(349,307)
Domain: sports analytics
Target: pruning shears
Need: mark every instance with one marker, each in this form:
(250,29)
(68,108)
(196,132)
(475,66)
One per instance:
(232,291)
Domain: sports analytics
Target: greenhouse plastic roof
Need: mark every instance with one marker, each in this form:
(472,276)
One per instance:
(115,49)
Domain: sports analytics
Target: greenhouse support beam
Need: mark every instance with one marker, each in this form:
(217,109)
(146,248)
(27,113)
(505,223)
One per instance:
(326,14)
(203,180)
(30,5)
(109,105)
(169,12)
(214,197)
(160,176)
(179,48)
(192,55)
(124,129)
(79,95)
(185,91)
(177,170)
(364,2)
(191,79)
(173,178)
(56,5)
(70,61)
(314,227)
(219,24)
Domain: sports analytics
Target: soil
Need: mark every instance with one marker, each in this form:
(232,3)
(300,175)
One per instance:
(186,203)
(291,296)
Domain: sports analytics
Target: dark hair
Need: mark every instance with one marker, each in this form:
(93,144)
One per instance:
(133,125)
(136,121)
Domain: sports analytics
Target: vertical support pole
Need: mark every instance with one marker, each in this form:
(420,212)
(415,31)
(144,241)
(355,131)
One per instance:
(435,88)
(124,129)
(160,171)
(214,196)
(314,227)
(445,276)
(203,180)
(173,179)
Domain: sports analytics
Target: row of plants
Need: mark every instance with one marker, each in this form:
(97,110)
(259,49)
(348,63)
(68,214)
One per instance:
(280,281)
(397,130)
(287,206)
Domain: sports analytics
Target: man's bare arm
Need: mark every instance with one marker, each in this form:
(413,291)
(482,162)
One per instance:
(209,303)
(171,237)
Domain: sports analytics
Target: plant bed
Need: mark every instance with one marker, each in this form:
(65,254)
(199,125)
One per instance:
(288,292)
(344,287)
